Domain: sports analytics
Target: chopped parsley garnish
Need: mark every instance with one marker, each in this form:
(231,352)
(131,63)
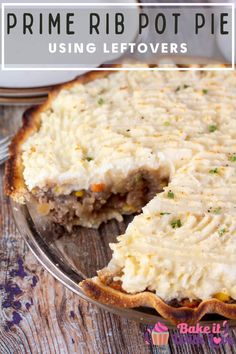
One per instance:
(89,158)
(166,124)
(216,211)
(214,171)
(212,128)
(176,224)
(204,91)
(101,101)
(170,195)
(164,214)
(232,158)
(222,232)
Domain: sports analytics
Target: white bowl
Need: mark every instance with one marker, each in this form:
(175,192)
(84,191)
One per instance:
(29,79)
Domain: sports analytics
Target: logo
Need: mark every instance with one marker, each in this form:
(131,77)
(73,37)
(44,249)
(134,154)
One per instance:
(159,334)
(217,334)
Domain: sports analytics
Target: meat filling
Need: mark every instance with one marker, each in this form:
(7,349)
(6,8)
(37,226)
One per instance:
(96,204)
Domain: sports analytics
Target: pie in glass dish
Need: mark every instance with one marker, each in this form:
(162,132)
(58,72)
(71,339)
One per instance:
(161,144)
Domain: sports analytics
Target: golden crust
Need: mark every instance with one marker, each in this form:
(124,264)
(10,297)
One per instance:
(98,290)
(14,184)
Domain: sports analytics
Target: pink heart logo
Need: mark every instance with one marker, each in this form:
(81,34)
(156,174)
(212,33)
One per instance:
(217,340)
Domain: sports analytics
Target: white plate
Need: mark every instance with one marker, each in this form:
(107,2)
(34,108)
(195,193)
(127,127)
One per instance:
(21,79)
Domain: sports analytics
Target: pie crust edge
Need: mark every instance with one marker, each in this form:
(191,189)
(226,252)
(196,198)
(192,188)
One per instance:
(96,289)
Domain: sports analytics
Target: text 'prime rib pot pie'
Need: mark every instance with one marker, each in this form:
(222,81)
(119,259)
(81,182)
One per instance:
(111,143)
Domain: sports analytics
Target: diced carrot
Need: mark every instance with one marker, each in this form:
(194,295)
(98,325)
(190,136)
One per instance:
(97,187)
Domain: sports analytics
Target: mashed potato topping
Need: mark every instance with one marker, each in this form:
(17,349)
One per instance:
(183,124)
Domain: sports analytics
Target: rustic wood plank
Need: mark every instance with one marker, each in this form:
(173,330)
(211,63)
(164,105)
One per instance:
(39,315)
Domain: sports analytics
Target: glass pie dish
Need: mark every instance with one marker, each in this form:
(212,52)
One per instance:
(67,257)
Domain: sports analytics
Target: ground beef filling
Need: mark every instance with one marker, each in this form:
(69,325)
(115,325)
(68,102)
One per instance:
(69,210)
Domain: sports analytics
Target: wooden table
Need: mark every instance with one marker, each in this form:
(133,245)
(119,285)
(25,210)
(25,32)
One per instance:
(39,315)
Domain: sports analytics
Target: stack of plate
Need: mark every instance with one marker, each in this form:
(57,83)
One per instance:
(30,87)
(22,96)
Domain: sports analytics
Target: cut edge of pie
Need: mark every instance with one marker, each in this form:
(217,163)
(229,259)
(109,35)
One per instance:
(86,213)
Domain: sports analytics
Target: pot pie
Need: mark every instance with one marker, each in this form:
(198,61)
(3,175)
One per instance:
(162,143)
